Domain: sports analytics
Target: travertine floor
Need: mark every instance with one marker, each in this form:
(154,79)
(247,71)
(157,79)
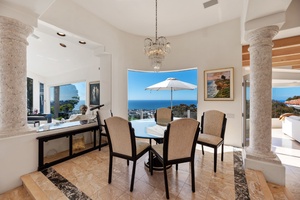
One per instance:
(88,173)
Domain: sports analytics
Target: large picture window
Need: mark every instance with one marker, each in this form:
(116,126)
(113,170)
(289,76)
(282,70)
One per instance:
(143,103)
(66,100)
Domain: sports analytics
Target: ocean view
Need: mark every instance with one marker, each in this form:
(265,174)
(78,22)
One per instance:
(154,104)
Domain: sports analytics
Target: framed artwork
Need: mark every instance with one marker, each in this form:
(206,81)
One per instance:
(94,93)
(218,84)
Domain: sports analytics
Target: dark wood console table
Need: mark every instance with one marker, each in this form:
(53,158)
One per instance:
(68,131)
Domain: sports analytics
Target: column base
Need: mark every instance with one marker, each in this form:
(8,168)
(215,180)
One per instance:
(272,169)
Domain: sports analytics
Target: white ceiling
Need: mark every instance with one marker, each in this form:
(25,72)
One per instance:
(175,17)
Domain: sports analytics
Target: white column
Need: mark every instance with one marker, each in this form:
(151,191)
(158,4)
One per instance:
(13,76)
(259,155)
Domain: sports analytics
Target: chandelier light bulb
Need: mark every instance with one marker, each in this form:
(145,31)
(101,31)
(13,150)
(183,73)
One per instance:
(156,50)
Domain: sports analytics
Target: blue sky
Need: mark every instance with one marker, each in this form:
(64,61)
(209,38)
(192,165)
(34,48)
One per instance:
(285,92)
(69,90)
(138,81)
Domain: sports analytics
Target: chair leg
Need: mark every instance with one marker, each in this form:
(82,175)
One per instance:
(166,182)
(222,152)
(202,149)
(100,142)
(215,159)
(176,167)
(132,176)
(193,175)
(110,168)
(151,163)
(127,162)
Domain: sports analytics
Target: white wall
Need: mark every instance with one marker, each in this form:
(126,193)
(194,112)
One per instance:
(19,156)
(211,48)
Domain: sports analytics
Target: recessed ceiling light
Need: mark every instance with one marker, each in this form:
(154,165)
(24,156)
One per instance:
(61,34)
(62,44)
(82,42)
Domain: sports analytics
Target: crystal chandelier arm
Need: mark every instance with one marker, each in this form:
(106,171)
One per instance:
(158,48)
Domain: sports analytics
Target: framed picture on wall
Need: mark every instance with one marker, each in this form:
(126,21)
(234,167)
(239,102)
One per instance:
(94,89)
(218,84)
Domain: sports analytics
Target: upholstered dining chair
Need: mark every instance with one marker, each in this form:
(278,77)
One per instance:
(163,116)
(102,114)
(213,125)
(122,144)
(179,146)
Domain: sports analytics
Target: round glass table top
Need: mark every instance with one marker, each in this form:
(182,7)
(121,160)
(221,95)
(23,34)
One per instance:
(147,128)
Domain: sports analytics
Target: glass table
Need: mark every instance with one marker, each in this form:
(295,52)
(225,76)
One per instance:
(148,129)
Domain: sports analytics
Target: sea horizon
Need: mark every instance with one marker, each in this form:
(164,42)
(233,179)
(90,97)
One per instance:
(154,104)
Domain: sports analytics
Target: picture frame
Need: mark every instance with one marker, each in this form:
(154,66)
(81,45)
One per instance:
(218,84)
(94,93)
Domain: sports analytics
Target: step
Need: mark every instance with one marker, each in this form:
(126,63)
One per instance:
(259,188)
(40,187)
(279,192)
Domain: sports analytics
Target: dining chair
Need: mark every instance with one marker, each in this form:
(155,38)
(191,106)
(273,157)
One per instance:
(122,144)
(102,114)
(163,116)
(212,132)
(179,146)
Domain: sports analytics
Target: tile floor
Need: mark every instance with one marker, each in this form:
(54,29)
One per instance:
(88,173)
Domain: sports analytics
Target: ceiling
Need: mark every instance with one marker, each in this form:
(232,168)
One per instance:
(133,16)
(175,17)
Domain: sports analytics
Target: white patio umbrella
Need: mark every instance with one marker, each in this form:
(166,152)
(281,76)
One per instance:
(172,84)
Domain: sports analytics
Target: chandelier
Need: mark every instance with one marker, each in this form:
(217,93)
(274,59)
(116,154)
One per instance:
(157,49)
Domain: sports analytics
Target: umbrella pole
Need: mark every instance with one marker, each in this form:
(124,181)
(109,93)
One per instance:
(171,97)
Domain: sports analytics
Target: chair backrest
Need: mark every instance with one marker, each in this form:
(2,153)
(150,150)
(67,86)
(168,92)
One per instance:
(120,134)
(103,114)
(163,116)
(180,139)
(213,122)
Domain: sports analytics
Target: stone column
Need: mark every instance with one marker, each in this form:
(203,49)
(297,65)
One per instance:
(258,155)
(260,50)
(13,76)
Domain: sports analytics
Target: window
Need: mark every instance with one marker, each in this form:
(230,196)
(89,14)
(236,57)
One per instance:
(281,100)
(41,97)
(29,95)
(143,103)
(65,100)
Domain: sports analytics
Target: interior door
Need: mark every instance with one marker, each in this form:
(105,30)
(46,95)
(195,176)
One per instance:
(246,110)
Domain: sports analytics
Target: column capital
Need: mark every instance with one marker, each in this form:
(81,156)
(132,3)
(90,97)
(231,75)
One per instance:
(14,29)
(262,36)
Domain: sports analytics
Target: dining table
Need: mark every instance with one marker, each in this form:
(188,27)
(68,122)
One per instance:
(148,129)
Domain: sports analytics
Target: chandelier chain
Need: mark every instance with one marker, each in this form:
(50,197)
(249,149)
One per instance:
(157,48)
(156,20)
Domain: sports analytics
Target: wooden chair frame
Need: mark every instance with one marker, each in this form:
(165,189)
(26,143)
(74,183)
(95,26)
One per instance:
(215,147)
(101,126)
(133,158)
(165,161)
